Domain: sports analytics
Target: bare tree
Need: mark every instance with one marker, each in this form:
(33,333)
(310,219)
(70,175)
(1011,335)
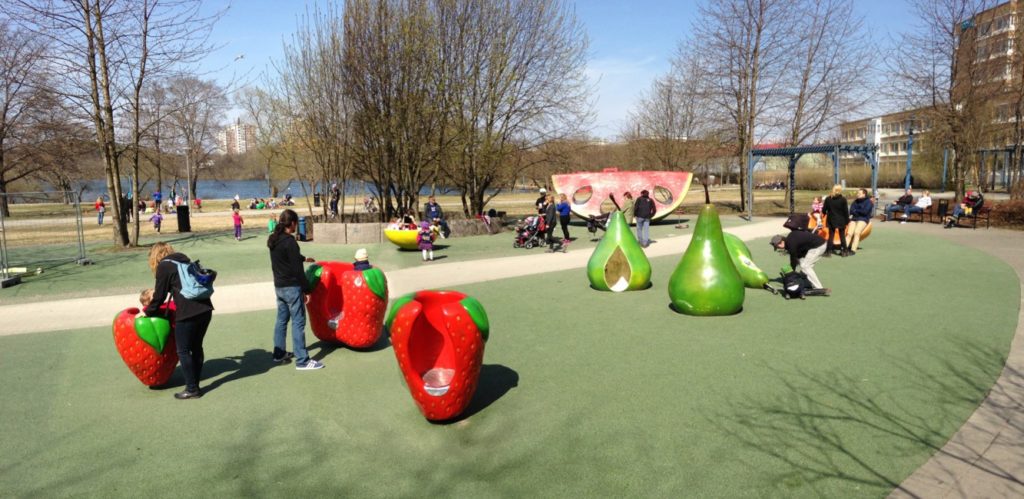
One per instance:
(832,68)
(198,108)
(260,109)
(942,68)
(311,75)
(514,72)
(748,45)
(23,91)
(104,53)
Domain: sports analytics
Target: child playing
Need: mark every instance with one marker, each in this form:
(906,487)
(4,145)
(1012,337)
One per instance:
(236,218)
(425,238)
(146,297)
(816,207)
(157,218)
(362,260)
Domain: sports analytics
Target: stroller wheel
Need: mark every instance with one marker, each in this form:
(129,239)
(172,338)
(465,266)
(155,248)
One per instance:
(529,244)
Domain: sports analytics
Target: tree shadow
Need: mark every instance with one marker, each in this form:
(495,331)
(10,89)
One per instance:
(817,427)
(495,381)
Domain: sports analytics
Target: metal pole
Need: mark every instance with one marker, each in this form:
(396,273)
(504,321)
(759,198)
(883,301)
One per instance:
(910,153)
(873,159)
(792,182)
(835,166)
(750,185)
(945,161)
(3,242)
(81,232)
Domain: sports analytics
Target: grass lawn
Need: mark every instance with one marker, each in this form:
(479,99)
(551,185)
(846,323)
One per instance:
(119,271)
(583,393)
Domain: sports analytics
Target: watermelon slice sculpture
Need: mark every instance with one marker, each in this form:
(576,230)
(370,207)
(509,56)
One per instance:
(588,190)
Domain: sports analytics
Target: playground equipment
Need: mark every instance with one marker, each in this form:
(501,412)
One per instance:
(587,191)
(347,305)
(438,338)
(146,345)
(403,238)
(618,262)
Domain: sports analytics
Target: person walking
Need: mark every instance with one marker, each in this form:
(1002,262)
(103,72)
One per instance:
(292,290)
(550,214)
(101,208)
(191,317)
(644,211)
(837,216)
(236,219)
(627,206)
(860,213)
(564,212)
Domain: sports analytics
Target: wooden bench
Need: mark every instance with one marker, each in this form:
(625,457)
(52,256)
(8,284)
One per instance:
(919,215)
(980,213)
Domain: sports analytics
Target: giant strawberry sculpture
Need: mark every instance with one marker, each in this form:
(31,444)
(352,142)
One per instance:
(347,305)
(146,345)
(438,338)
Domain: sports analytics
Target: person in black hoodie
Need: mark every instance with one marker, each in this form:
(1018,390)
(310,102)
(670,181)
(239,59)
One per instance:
(838,217)
(292,289)
(860,213)
(191,317)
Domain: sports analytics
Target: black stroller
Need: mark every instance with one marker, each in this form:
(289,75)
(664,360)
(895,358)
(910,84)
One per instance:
(599,222)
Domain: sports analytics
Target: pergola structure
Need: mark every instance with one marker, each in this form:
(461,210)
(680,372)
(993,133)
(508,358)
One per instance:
(870,153)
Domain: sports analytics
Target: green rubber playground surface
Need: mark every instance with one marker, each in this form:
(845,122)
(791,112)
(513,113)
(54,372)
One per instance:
(582,394)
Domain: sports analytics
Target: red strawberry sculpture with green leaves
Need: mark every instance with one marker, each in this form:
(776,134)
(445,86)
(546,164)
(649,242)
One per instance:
(146,345)
(347,305)
(438,338)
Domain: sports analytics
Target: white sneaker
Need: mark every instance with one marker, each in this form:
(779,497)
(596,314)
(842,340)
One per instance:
(903,221)
(309,366)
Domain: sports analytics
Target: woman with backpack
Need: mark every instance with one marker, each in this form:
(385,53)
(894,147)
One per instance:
(191,316)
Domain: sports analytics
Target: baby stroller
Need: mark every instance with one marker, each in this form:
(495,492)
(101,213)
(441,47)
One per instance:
(597,222)
(530,233)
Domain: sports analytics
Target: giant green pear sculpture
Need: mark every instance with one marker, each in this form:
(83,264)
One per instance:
(752,275)
(618,262)
(706,281)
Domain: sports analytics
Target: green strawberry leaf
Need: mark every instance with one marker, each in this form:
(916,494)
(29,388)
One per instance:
(377,283)
(313,274)
(153,330)
(477,313)
(396,305)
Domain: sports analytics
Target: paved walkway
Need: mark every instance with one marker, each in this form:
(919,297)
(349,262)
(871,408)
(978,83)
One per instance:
(985,458)
(98,311)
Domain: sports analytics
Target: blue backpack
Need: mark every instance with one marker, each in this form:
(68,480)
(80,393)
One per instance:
(196,282)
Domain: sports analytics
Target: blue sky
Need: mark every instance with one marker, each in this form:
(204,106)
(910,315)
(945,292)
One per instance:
(631,42)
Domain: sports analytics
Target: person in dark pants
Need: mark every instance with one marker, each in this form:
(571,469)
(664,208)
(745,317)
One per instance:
(805,249)
(564,211)
(644,210)
(837,212)
(292,290)
(433,212)
(550,220)
(191,317)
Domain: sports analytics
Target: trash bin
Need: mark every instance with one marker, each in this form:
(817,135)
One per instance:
(184,224)
(943,209)
(302,228)
(316,199)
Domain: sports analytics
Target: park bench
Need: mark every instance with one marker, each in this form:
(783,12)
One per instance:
(919,216)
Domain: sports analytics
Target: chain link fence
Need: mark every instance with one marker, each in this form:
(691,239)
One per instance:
(43,230)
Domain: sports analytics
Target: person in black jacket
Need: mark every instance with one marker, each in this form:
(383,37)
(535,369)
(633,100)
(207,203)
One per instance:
(643,210)
(191,317)
(860,213)
(805,249)
(550,220)
(837,213)
(292,289)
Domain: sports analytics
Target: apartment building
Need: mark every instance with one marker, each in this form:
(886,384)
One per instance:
(237,138)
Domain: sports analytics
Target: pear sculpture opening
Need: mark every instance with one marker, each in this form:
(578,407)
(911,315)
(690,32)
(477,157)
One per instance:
(706,281)
(618,263)
(752,275)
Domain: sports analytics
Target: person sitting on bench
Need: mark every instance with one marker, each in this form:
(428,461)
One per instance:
(973,202)
(901,204)
(922,204)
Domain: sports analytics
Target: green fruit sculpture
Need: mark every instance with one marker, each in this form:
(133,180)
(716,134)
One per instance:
(752,275)
(618,262)
(706,282)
